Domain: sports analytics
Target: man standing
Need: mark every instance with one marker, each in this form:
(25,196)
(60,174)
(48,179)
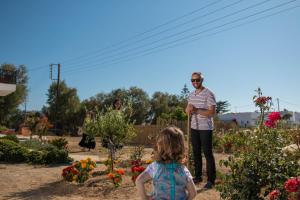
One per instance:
(202,107)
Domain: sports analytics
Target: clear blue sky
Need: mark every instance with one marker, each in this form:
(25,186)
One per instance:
(235,62)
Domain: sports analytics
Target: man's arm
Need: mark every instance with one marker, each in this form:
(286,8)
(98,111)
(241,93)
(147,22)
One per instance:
(210,112)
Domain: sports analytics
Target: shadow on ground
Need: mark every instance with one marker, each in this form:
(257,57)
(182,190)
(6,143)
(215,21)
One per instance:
(46,191)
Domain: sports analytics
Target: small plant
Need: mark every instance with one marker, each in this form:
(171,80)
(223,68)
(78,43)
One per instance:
(112,126)
(116,176)
(79,172)
(60,143)
(70,174)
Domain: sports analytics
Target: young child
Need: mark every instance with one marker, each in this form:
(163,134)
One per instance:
(171,179)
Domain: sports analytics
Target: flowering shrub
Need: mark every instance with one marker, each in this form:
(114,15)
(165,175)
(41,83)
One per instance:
(261,166)
(116,176)
(79,172)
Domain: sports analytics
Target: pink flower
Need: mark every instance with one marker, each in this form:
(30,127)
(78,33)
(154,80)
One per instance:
(274,116)
(274,194)
(292,185)
(270,124)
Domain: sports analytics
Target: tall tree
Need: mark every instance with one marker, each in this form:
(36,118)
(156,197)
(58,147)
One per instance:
(133,98)
(185,92)
(140,102)
(9,104)
(222,107)
(163,105)
(65,109)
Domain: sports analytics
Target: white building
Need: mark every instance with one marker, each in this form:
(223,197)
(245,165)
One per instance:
(249,119)
(244,119)
(296,118)
(7,82)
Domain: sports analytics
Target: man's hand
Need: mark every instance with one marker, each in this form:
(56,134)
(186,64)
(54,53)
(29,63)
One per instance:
(189,109)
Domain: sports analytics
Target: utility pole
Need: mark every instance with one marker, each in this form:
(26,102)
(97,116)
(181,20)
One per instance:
(278,108)
(57,89)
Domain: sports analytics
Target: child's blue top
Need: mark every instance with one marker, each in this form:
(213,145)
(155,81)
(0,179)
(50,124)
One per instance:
(169,180)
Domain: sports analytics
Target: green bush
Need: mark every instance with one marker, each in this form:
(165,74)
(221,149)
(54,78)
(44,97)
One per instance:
(35,157)
(38,154)
(60,143)
(11,137)
(54,155)
(33,144)
(259,168)
(12,152)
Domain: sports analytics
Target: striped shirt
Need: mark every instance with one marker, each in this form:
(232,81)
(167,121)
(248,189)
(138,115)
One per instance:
(202,100)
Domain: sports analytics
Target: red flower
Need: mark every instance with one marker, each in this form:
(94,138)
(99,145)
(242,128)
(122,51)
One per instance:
(274,194)
(137,169)
(274,116)
(292,185)
(270,124)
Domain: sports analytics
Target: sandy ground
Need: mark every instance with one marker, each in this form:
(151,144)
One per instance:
(23,181)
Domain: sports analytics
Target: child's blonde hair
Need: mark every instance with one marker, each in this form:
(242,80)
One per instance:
(170,145)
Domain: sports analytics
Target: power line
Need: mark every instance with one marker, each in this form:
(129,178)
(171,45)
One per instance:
(181,32)
(293,104)
(145,32)
(182,43)
(194,39)
(160,32)
(38,68)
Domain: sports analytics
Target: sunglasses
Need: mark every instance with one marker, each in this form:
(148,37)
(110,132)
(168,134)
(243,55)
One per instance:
(195,80)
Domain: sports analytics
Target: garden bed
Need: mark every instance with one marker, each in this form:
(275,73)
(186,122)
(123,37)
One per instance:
(23,181)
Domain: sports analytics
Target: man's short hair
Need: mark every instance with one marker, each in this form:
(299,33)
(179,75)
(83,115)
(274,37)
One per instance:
(199,74)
